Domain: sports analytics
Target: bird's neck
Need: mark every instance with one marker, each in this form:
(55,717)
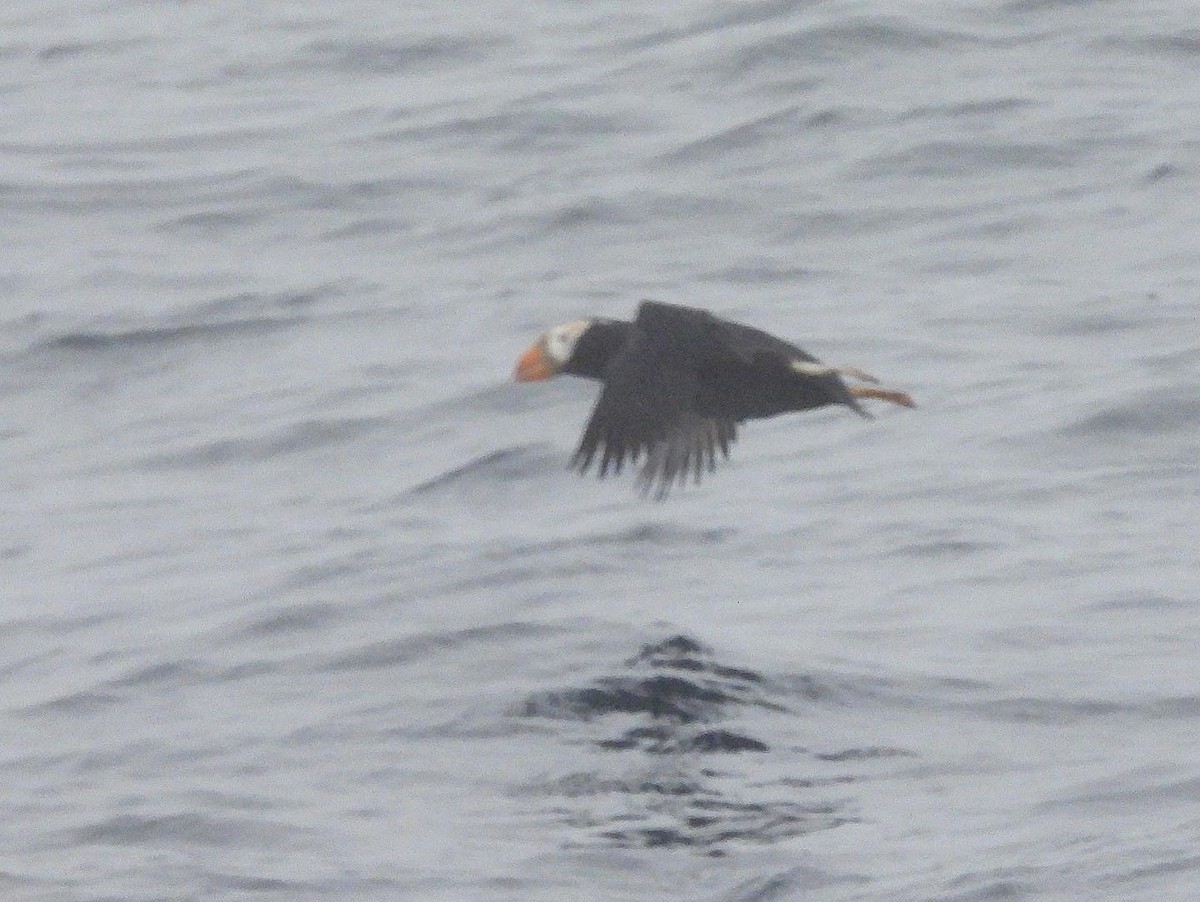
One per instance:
(596,347)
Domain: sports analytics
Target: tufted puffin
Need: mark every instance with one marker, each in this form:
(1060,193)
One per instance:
(677,381)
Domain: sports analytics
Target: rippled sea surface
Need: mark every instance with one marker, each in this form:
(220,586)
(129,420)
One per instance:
(300,600)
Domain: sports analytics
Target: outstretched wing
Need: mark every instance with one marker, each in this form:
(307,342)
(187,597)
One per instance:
(648,406)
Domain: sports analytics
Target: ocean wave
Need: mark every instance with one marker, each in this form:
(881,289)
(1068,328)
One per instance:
(294,438)
(505,465)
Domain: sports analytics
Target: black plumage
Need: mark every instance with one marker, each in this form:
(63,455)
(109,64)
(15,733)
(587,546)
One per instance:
(677,381)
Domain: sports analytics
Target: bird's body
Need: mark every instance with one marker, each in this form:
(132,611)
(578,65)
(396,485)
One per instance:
(677,381)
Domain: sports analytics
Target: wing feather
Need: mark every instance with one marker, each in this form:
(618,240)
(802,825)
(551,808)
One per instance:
(648,405)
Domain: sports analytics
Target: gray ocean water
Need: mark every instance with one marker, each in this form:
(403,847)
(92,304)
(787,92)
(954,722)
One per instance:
(300,600)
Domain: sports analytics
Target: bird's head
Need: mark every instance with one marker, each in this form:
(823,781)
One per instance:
(551,354)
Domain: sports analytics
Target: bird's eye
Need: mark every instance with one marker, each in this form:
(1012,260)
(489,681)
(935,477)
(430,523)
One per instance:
(560,345)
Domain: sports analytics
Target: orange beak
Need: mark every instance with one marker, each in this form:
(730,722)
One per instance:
(533,365)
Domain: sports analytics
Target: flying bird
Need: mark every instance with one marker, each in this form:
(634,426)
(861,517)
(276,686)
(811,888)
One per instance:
(677,381)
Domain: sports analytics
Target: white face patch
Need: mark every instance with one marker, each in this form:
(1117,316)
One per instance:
(559,343)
